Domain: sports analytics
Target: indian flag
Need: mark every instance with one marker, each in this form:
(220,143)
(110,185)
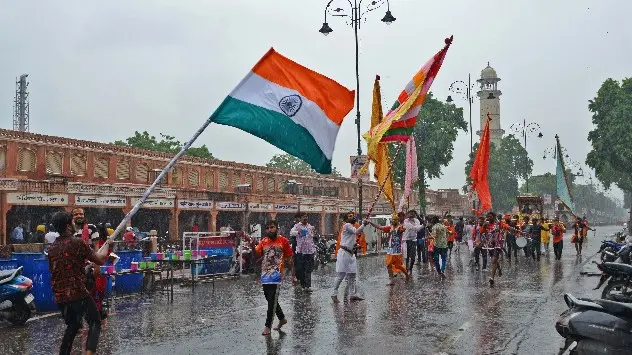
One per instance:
(289,106)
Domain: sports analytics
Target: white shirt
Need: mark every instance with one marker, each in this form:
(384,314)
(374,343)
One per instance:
(50,237)
(467,231)
(349,233)
(304,244)
(411,228)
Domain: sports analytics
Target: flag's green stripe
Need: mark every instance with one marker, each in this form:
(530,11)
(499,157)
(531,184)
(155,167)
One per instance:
(273,127)
(399,131)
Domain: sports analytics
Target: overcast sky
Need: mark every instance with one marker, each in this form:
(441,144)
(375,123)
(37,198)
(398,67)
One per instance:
(101,70)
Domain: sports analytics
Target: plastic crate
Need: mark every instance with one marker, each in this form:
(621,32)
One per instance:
(127,256)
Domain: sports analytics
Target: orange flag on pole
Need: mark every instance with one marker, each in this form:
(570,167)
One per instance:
(480,170)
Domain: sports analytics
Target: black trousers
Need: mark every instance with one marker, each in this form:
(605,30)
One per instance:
(73,314)
(557,249)
(477,254)
(511,245)
(411,250)
(304,266)
(270,292)
(535,249)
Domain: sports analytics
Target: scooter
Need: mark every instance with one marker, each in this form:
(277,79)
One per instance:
(16,300)
(595,327)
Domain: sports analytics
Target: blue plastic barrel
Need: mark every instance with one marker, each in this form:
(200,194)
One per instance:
(27,261)
(8,264)
(42,287)
(127,256)
(129,283)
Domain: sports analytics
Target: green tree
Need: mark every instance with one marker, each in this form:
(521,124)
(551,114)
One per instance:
(289,162)
(508,163)
(545,184)
(611,154)
(438,125)
(167,144)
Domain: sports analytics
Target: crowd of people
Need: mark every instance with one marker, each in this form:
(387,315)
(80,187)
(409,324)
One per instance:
(411,238)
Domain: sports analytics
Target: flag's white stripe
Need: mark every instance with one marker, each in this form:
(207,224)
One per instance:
(258,91)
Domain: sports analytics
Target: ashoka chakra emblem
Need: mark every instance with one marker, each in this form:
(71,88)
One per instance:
(290,105)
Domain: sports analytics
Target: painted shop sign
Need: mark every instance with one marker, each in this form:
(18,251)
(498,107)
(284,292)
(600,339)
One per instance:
(311,208)
(331,209)
(260,207)
(100,201)
(195,204)
(154,203)
(18,198)
(230,206)
(286,208)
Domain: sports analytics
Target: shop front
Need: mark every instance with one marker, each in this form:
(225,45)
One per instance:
(30,209)
(194,215)
(102,209)
(155,214)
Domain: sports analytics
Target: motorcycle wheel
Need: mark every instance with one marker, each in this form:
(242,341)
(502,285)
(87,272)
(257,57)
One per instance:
(618,290)
(21,313)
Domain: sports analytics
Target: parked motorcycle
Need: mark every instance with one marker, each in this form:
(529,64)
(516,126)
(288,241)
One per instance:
(619,288)
(16,300)
(595,327)
(323,256)
(609,250)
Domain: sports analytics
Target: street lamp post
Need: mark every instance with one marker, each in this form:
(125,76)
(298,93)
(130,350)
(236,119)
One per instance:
(526,129)
(355,18)
(464,90)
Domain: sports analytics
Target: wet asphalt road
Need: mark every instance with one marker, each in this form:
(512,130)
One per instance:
(460,315)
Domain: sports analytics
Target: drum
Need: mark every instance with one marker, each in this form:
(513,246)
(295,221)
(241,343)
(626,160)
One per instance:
(521,242)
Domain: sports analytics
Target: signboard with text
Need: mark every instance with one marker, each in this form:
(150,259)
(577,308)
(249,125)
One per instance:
(230,206)
(356,163)
(286,208)
(195,204)
(154,203)
(19,198)
(109,201)
(260,207)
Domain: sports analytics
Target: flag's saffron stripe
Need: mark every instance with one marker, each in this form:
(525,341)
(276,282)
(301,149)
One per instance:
(334,99)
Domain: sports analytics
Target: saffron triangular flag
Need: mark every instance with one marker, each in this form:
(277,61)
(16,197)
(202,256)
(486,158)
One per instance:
(290,106)
(480,171)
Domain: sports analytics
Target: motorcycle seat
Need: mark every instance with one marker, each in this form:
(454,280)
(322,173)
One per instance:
(8,275)
(618,309)
(619,267)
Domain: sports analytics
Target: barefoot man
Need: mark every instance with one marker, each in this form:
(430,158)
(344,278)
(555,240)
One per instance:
(274,248)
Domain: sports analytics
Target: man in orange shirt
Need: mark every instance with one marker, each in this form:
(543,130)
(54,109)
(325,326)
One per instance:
(274,248)
(558,230)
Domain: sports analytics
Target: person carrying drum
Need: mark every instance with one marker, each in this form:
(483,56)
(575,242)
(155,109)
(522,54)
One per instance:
(512,233)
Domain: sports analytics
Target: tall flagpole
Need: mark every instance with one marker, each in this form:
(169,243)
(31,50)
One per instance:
(150,189)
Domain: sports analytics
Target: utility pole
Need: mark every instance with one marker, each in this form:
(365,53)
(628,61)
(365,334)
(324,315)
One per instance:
(21,105)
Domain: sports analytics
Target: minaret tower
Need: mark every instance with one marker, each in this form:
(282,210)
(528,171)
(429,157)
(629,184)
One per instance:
(489,97)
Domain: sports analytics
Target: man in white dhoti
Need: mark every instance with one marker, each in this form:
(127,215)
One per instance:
(346,265)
